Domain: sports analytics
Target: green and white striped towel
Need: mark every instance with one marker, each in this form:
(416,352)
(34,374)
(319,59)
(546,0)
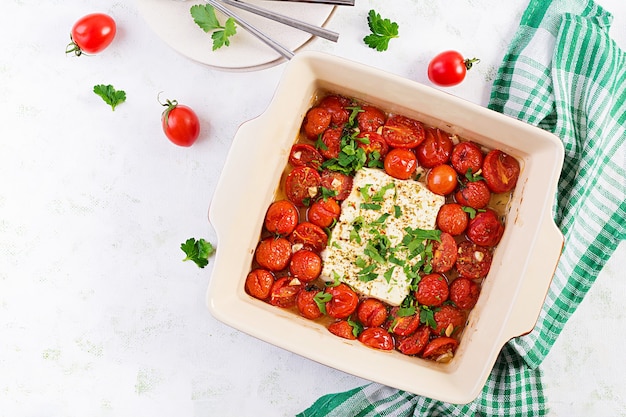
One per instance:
(563,73)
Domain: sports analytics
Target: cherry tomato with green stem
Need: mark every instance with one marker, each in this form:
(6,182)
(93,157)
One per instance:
(180,123)
(449,68)
(91,34)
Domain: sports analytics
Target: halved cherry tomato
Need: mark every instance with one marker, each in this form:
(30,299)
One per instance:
(464,292)
(501,171)
(310,236)
(305,265)
(370,119)
(342,328)
(344,301)
(284,292)
(435,149)
(449,68)
(303,154)
(337,181)
(371,312)
(377,338)
(473,261)
(324,213)
(336,106)
(403,132)
(444,253)
(440,346)
(331,139)
(373,144)
(441,179)
(449,319)
(273,253)
(180,123)
(281,217)
(259,283)
(400,163)
(92,34)
(315,122)
(485,229)
(414,344)
(466,156)
(452,219)
(473,194)
(402,325)
(305,302)
(432,290)
(302,185)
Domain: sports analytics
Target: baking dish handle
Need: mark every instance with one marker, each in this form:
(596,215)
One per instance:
(543,261)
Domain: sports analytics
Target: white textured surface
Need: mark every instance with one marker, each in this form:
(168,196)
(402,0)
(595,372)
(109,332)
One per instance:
(98,315)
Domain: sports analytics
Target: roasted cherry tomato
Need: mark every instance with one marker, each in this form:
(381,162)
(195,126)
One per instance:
(374,145)
(344,301)
(403,132)
(337,181)
(501,171)
(444,253)
(473,194)
(466,156)
(402,325)
(371,312)
(302,185)
(324,212)
(449,68)
(440,346)
(331,140)
(473,261)
(435,149)
(464,292)
(281,217)
(92,34)
(452,219)
(180,123)
(377,338)
(441,179)
(305,265)
(305,302)
(273,253)
(485,229)
(284,292)
(449,319)
(370,119)
(303,154)
(432,290)
(400,163)
(259,283)
(342,328)
(415,343)
(315,122)
(336,106)
(309,236)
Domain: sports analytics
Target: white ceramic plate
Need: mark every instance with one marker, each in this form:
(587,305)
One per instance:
(172,22)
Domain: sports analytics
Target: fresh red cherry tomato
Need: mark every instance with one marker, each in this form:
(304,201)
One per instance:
(449,68)
(180,123)
(400,163)
(92,34)
(441,179)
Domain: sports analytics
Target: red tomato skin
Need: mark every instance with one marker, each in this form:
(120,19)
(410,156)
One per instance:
(336,106)
(435,149)
(337,181)
(259,283)
(324,213)
(376,144)
(302,185)
(403,132)
(464,292)
(370,119)
(310,236)
(305,265)
(402,325)
(473,261)
(284,292)
(447,69)
(342,329)
(343,303)
(93,33)
(415,343)
(500,171)
(441,179)
(181,125)
(473,194)
(444,253)
(306,304)
(372,312)
(485,229)
(432,290)
(448,315)
(400,163)
(331,138)
(316,121)
(465,156)
(452,219)
(377,338)
(281,217)
(273,253)
(303,154)
(439,346)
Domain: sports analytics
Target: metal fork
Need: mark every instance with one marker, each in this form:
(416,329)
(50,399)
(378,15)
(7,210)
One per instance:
(333,2)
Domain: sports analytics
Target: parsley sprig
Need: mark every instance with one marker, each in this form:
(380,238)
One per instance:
(197,251)
(110,95)
(383,30)
(204,16)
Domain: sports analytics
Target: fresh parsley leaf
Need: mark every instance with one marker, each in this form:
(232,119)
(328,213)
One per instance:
(205,18)
(427,317)
(383,30)
(321,298)
(110,95)
(357,328)
(197,251)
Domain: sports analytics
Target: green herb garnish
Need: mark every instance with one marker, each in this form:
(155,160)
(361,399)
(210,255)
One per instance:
(110,95)
(383,30)
(205,18)
(197,251)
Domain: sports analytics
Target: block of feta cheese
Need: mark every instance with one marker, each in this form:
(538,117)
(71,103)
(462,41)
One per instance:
(371,247)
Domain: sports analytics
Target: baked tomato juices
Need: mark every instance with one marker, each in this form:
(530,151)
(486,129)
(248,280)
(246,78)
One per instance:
(383,228)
